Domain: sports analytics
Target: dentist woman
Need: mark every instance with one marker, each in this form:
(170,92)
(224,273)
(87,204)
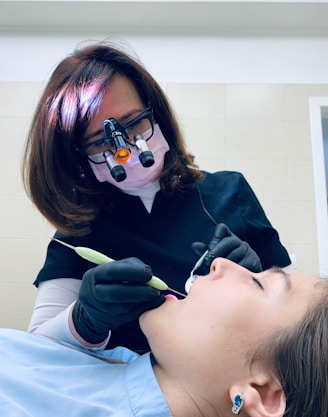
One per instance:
(107,165)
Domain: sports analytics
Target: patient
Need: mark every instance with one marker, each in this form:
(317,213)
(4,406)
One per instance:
(253,344)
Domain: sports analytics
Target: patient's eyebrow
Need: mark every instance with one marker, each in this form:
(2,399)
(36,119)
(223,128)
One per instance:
(283,274)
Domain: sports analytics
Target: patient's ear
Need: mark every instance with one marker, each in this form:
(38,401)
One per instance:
(263,397)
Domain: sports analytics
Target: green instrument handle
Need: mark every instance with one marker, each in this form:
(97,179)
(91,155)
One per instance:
(98,258)
(92,255)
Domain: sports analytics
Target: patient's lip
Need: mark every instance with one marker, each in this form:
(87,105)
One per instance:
(171,297)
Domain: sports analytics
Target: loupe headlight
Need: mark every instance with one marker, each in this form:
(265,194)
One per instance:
(122,152)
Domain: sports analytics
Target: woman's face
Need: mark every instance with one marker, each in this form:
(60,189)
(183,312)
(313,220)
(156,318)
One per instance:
(227,312)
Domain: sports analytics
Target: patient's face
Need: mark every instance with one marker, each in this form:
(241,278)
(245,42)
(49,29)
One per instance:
(228,310)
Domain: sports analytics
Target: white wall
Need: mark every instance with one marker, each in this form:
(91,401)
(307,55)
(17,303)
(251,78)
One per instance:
(31,57)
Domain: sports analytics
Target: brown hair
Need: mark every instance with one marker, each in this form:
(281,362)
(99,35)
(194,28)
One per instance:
(56,177)
(298,358)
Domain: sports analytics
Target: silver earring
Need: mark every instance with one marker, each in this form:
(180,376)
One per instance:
(237,404)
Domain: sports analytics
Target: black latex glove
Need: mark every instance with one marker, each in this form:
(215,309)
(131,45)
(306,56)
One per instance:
(227,245)
(111,295)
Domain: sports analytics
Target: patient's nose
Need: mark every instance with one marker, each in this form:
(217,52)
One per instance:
(222,266)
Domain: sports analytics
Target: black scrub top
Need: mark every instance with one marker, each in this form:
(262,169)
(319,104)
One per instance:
(163,238)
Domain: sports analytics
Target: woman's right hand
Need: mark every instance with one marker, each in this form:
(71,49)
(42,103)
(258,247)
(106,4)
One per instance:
(111,295)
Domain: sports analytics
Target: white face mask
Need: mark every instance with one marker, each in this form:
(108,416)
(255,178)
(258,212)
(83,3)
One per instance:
(138,177)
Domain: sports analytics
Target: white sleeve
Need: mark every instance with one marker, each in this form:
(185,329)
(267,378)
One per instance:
(52,307)
(53,297)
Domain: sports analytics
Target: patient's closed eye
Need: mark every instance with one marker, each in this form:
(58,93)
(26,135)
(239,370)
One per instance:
(257,282)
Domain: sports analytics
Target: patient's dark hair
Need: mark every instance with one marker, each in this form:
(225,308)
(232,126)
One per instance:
(56,177)
(298,358)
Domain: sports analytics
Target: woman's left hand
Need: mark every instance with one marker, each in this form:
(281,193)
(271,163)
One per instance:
(225,244)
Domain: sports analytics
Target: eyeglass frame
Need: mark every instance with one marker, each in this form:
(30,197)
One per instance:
(145,114)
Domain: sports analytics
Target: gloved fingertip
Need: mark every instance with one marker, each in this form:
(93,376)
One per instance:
(199,248)
(222,230)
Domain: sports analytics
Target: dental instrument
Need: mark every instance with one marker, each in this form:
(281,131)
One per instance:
(99,258)
(192,278)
